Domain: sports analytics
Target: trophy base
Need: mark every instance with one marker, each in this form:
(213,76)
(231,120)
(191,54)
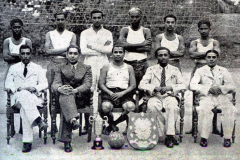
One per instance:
(97,145)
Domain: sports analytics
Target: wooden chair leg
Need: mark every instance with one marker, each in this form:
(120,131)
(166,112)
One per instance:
(80,121)
(12,125)
(195,126)
(39,131)
(45,116)
(89,133)
(53,116)
(8,127)
(233,133)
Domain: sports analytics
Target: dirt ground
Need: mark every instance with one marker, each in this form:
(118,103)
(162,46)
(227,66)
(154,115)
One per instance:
(82,149)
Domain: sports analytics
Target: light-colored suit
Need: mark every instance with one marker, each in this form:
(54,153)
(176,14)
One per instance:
(152,79)
(28,109)
(202,81)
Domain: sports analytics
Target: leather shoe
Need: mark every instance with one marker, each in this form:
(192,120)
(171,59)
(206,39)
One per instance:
(67,147)
(42,125)
(169,142)
(203,142)
(227,143)
(27,147)
(175,141)
(75,124)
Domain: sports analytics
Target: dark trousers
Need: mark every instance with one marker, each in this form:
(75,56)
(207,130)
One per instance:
(68,111)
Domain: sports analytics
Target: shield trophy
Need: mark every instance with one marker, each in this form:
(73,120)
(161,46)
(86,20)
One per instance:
(98,123)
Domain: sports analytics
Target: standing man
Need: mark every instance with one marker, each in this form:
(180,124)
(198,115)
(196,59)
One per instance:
(96,43)
(56,44)
(72,81)
(171,40)
(214,83)
(163,82)
(25,80)
(12,44)
(117,82)
(199,47)
(137,41)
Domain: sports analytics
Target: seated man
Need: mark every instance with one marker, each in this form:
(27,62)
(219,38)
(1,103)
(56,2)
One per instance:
(214,83)
(72,80)
(27,79)
(117,81)
(163,81)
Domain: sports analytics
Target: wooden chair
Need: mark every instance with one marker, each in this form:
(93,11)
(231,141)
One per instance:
(10,110)
(55,109)
(181,100)
(196,99)
(117,110)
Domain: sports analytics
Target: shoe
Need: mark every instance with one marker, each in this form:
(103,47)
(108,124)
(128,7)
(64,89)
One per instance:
(203,142)
(106,130)
(85,130)
(175,141)
(75,125)
(227,143)
(169,141)
(42,126)
(67,147)
(125,132)
(27,147)
(114,128)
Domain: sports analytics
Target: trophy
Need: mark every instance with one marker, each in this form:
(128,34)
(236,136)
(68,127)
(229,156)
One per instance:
(98,123)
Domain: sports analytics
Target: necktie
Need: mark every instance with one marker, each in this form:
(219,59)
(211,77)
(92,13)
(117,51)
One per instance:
(73,69)
(25,71)
(163,78)
(211,69)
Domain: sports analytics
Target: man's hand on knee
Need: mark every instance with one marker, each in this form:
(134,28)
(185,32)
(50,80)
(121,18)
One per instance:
(65,89)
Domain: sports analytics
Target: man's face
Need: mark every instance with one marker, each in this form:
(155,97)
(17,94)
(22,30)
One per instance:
(73,55)
(60,21)
(204,30)
(17,28)
(97,19)
(163,56)
(118,54)
(135,17)
(25,55)
(211,59)
(170,24)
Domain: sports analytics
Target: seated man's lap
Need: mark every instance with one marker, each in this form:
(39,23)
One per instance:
(126,99)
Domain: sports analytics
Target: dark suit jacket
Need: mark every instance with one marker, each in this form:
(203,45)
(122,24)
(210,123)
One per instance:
(81,80)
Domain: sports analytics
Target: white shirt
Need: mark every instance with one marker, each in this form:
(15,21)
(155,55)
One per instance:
(97,41)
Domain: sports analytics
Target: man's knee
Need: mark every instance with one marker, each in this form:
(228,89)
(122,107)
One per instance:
(172,104)
(129,106)
(153,104)
(106,107)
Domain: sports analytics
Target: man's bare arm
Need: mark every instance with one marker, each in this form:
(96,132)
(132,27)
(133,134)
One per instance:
(193,51)
(6,52)
(181,48)
(51,51)
(102,80)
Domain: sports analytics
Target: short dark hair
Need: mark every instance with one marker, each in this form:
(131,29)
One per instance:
(17,20)
(212,51)
(60,13)
(162,48)
(170,16)
(24,46)
(74,46)
(96,11)
(118,45)
(207,22)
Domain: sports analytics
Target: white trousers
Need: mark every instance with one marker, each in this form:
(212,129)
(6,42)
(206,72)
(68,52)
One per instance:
(96,63)
(28,113)
(205,116)
(166,122)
